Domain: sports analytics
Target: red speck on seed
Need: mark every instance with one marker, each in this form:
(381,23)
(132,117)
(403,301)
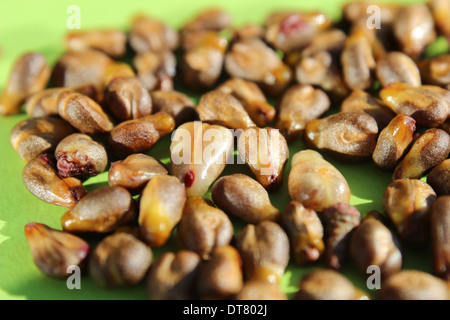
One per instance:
(189,178)
(293,23)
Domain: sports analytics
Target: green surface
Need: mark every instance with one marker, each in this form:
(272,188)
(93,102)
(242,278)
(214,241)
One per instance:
(41,25)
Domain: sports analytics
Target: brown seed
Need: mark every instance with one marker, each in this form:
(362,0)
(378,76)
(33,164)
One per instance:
(156,70)
(427,106)
(265,152)
(55,251)
(431,148)
(173,276)
(299,105)
(407,202)
(111,42)
(413,285)
(393,141)
(440,9)
(213,19)
(29,74)
(161,208)
(331,40)
(351,136)
(217,107)
(398,67)
(244,197)
(251,98)
(44,103)
(248,31)
(83,113)
(260,290)
(203,227)
(40,177)
(360,100)
(140,135)
(439,178)
(120,260)
(264,249)
(34,136)
(339,221)
(100,211)
(435,70)
(440,236)
(134,172)
(305,232)
(372,243)
(79,155)
(315,182)
(177,104)
(118,70)
(221,276)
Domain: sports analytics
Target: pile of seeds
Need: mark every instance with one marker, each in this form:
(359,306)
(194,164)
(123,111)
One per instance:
(92,112)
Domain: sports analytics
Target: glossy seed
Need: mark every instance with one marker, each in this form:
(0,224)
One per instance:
(435,70)
(44,103)
(440,236)
(439,178)
(177,104)
(398,67)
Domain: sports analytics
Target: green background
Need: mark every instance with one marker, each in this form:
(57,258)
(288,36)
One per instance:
(41,26)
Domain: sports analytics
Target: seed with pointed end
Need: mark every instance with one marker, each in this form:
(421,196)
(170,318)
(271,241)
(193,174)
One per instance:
(214,19)
(120,260)
(140,135)
(305,232)
(398,67)
(339,221)
(161,208)
(440,236)
(54,251)
(111,42)
(156,70)
(360,100)
(29,75)
(134,172)
(244,197)
(40,177)
(44,103)
(199,152)
(173,276)
(407,202)
(221,276)
(101,211)
(299,105)
(439,178)
(315,182)
(177,104)
(264,249)
(79,155)
(431,148)
(413,285)
(203,227)
(251,98)
(260,290)
(251,59)
(217,107)
(326,284)
(34,136)
(265,152)
(428,107)
(435,70)
(414,29)
(372,243)
(83,113)
(393,141)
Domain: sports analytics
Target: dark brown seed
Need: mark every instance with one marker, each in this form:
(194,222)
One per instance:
(101,211)
(156,70)
(393,141)
(244,197)
(34,136)
(260,290)
(44,103)
(407,202)
(440,236)
(40,177)
(111,42)
(398,67)
(134,172)
(350,136)
(413,285)
(120,260)
(177,104)
(203,227)
(29,74)
(439,178)
(140,135)
(299,105)
(431,148)
(305,232)
(339,221)
(173,276)
(79,155)
(54,251)
(221,276)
